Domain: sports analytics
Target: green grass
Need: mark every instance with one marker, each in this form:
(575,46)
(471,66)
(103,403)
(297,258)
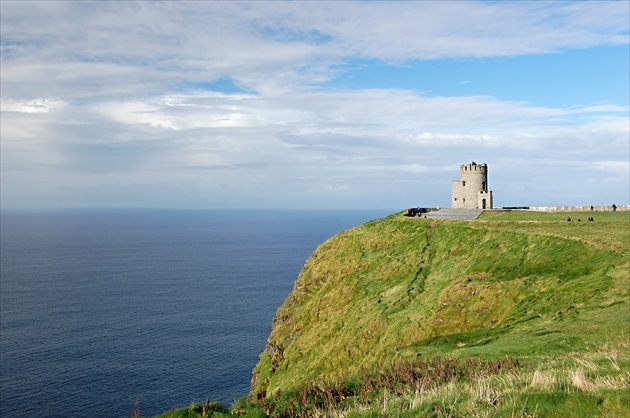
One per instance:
(610,230)
(399,288)
(530,286)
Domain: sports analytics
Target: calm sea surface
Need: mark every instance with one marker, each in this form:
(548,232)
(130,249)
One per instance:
(99,308)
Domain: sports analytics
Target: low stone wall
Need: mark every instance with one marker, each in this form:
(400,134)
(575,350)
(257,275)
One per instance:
(620,208)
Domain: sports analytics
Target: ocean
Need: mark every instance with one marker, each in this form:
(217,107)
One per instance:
(101,310)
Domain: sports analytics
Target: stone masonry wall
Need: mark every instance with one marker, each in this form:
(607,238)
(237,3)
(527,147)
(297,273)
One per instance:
(620,208)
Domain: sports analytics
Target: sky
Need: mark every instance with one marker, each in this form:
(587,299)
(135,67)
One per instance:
(319,104)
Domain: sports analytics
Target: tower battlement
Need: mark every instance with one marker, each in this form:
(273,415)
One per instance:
(473,167)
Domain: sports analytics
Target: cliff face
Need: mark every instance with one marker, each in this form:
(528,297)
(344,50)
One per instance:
(399,288)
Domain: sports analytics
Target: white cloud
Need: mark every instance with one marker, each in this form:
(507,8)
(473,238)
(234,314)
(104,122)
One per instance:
(620,169)
(102,102)
(602,108)
(268,47)
(343,138)
(38,105)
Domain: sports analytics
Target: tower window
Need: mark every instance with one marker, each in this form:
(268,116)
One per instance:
(463,183)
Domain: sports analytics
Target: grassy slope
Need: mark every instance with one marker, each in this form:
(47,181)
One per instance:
(528,285)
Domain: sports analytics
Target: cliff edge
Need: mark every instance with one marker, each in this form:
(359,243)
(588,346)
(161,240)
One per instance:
(526,285)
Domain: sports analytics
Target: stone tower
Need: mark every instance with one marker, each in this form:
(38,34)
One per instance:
(471,190)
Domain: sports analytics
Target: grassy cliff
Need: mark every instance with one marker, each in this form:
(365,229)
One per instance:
(514,314)
(551,294)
